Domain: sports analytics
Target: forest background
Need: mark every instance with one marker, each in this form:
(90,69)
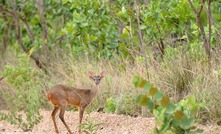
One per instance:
(173,44)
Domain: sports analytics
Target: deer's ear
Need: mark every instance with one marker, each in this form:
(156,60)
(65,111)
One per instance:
(90,74)
(102,74)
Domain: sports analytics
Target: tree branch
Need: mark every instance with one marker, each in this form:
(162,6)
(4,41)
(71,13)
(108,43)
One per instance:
(30,33)
(199,22)
(44,26)
(41,12)
(15,15)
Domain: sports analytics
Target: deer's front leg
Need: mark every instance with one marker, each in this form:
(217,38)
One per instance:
(81,114)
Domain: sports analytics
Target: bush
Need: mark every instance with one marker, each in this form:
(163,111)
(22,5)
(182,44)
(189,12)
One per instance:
(23,96)
(171,118)
(124,104)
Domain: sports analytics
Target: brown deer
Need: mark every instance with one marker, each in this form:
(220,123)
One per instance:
(62,96)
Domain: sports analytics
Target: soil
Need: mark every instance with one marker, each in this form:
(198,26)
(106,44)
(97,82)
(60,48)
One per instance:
(111,124)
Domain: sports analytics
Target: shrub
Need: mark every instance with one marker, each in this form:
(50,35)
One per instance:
(90,126)
(171,118)
(23,96)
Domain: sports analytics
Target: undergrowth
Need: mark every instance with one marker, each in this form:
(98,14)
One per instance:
(178,77)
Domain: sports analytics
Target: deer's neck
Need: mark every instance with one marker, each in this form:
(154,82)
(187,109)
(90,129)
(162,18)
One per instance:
(94,90)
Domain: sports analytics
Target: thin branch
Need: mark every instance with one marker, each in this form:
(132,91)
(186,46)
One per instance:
(41,12)
(15,15)
(209,21)
(44,26)
(193,8)
(142,50)
(199,22)
(201,6)
(214,24)
(30,33)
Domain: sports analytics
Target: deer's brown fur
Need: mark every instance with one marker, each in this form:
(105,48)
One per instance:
(62,96)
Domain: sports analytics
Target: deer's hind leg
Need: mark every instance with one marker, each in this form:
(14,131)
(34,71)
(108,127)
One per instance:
(53,117)
(61,116)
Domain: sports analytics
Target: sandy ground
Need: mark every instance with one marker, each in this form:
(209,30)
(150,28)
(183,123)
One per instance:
(112,124)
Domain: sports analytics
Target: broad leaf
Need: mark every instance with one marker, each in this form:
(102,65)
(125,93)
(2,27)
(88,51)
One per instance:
(136,80)
(147,86)
(150,104)
(170,108)
(178,115)
(143,100)
(153,91)
(138,98)
(158,96)
(186,122)
(142,83)
(165,101)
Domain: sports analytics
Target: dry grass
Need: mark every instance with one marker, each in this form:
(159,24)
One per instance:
(178,78)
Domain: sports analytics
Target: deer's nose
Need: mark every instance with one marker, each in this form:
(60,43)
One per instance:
(97,82)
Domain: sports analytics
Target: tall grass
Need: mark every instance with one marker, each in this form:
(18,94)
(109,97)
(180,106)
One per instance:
(178,77)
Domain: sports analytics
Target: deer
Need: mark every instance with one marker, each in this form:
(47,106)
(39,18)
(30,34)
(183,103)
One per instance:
(62,96)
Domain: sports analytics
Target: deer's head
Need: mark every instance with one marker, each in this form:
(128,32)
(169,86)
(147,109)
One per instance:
(96,78)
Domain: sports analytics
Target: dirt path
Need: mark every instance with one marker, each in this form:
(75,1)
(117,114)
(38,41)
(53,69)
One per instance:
(112,124)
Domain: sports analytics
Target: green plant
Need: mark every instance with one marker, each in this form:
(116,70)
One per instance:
(90,127)
(23,96)
(111,105)
(171,118)
(121,105)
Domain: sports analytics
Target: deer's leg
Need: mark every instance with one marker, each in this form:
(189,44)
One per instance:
(53,117)
(61,116)
(81,113)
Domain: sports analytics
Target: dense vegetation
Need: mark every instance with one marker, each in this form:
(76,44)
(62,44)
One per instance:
(174,44)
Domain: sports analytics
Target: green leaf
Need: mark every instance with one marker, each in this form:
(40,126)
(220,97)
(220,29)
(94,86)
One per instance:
(113,45)
(186,122)
(147,86)
(166,126)
(139,82)
(136,80)
(138,98)
(84,24)
(176,123)
(124,36)
(191,100)
(142,27)
(170,109)
(158,96)
(150,104)
(93,38)
(124,11)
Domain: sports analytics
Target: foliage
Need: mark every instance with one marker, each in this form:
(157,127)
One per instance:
(90,126)
(176,118)
(123,104)
(24,95)
(91,29)
(103,28)
(111,105)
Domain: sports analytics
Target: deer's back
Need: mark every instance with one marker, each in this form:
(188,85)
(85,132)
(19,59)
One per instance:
(61,95)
